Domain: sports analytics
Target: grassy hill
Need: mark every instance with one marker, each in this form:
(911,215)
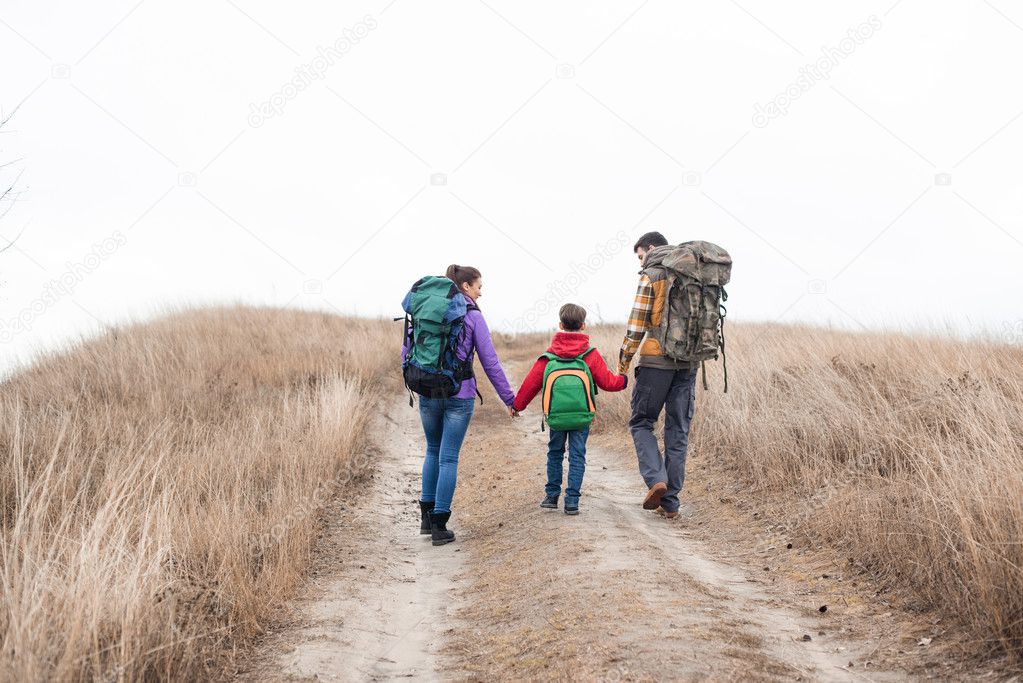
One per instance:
(160,485)
(904,452)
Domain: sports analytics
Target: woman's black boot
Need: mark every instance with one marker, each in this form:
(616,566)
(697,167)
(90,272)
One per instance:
(438,528)
(425,508)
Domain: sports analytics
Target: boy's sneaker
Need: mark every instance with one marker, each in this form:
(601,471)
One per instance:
(550,503)
(572,510)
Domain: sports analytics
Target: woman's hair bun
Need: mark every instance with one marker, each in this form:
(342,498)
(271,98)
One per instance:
(462,274)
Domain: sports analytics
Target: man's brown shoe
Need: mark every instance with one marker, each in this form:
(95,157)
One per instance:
(664,513)
(653,496)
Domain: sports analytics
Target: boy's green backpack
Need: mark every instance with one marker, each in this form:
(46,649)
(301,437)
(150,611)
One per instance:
(569,393)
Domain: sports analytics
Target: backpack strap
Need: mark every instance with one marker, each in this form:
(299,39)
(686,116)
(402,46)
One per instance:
(471,306)
(549,356)
(724,356)
(582,356)
(407,335)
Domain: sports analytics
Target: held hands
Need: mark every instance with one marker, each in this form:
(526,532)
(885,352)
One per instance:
(512,412)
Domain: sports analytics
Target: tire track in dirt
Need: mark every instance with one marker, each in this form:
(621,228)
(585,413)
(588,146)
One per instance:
(748,621)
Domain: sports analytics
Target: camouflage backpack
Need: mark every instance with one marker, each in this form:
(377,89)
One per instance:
(692,326)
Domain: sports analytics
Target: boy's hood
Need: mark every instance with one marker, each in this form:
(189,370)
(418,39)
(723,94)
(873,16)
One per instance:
(569,344)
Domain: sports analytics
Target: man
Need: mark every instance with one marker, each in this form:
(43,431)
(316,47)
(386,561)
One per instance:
(661,384)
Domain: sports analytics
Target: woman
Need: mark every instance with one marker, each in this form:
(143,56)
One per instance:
(445,420)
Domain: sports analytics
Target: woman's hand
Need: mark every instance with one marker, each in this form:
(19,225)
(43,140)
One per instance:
(512,412)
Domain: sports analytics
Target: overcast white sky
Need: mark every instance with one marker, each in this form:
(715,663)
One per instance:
(525,138)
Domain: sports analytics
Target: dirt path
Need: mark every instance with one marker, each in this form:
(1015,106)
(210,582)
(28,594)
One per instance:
(381,595)
(620,593)
(617,593)
(753,630)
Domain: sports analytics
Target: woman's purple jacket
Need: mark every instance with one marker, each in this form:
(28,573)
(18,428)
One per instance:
(475,337)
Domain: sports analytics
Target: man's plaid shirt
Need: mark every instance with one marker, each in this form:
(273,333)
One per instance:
(639,323)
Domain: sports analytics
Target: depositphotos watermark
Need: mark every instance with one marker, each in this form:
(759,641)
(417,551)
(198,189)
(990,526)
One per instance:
(814,72)
(57,289)
(559,290)
(305,74)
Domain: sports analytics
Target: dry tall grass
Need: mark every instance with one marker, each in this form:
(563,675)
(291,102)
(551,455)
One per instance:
(907,451)
(159,486)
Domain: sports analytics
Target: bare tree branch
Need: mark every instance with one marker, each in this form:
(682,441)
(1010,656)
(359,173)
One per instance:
(9,195)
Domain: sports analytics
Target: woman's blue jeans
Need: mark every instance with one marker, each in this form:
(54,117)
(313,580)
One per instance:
(445,421)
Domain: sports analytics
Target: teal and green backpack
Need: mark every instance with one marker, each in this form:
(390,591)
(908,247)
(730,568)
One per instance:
(569,396)
(434,318)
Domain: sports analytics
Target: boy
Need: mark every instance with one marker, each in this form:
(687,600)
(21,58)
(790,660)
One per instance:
(568,346)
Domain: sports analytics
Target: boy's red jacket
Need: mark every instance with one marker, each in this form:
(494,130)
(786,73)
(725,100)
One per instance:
(569,345)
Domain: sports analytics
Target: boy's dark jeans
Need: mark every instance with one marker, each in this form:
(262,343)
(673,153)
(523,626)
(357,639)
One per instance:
(674,391)
(576,440)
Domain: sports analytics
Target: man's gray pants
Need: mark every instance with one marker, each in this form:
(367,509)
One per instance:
(674,391)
